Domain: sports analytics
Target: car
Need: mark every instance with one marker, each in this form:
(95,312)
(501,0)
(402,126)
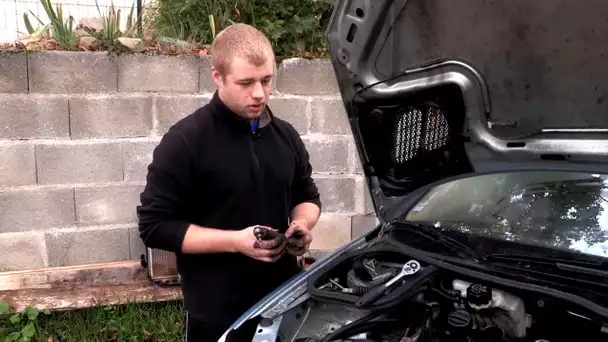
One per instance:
(481,127)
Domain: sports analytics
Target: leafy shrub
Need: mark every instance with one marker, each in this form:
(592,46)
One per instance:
(292,25)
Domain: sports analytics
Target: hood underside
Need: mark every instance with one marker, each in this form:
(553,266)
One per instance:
(437,88)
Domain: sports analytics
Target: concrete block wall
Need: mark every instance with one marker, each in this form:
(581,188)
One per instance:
(78,130)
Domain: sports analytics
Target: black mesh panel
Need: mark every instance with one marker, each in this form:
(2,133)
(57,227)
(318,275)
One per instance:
(418,130)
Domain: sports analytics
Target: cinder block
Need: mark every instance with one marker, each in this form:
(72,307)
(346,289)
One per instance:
(307,77)
(79,163)
(17,165)
(329,117)
(149,73)
(87,247)
(328,155)
(206,84)
(136,158)
(107,204)
(331,232)
(136,244)
(171,108)
(36,209)
(72,72)
(104,116)
(337,194)
(13,72)
(22,251)
(293,110)
(354,160)
(362,224)
(30,116)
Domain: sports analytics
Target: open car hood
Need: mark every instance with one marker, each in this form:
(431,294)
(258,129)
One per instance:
(436,88)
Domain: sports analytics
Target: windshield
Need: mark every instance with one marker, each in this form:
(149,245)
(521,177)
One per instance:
(564,210)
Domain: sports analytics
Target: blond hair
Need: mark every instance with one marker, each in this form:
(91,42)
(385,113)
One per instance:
(240,40)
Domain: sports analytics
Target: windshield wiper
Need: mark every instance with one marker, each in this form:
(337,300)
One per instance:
(435,234)
(593,268)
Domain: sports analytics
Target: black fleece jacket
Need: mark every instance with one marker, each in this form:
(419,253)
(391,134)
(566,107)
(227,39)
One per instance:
(210,169)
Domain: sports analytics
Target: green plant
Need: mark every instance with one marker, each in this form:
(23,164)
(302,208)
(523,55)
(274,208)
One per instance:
(292,25)
(61,30)
(193,20)
(32,33)
(111,25)
(22,325)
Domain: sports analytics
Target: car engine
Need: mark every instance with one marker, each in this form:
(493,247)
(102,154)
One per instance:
(427,303)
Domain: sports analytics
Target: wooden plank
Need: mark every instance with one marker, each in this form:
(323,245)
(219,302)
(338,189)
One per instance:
(121,272)
(83,286)
(81,297)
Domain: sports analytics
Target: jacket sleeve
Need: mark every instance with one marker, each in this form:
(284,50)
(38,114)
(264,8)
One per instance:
(161,221)
(304,187)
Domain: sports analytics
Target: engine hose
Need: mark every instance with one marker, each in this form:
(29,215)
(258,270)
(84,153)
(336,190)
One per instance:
(358,290)
(442,293)
(441,290)
(451,292)
(354,281)
(416,284)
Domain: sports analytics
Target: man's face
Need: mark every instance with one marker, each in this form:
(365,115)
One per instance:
(245,88)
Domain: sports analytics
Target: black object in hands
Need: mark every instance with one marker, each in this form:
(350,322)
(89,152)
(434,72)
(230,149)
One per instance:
(297,235)
(265,234)
(293,239)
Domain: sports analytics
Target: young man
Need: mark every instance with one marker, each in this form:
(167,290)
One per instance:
(227,167)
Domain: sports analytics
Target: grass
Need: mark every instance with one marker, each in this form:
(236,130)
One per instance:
(131,322)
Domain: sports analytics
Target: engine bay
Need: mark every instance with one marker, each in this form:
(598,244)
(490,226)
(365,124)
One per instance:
(380,294)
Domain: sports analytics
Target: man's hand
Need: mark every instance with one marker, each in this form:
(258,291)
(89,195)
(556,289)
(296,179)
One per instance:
(268,251)
(299,237)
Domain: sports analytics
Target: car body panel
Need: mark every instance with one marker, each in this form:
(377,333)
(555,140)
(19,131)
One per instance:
(296,286)
(471,45)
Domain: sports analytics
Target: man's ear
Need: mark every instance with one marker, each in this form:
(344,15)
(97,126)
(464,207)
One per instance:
(217,77)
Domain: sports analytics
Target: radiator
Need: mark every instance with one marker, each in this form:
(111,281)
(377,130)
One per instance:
(162,266)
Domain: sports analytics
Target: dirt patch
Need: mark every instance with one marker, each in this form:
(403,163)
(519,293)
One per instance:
(152,48)
(49,44)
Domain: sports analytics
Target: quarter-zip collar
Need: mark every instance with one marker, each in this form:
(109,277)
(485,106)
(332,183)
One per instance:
(240,124)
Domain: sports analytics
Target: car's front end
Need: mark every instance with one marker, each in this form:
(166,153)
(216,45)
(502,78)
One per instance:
(482,131)
(503,256)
